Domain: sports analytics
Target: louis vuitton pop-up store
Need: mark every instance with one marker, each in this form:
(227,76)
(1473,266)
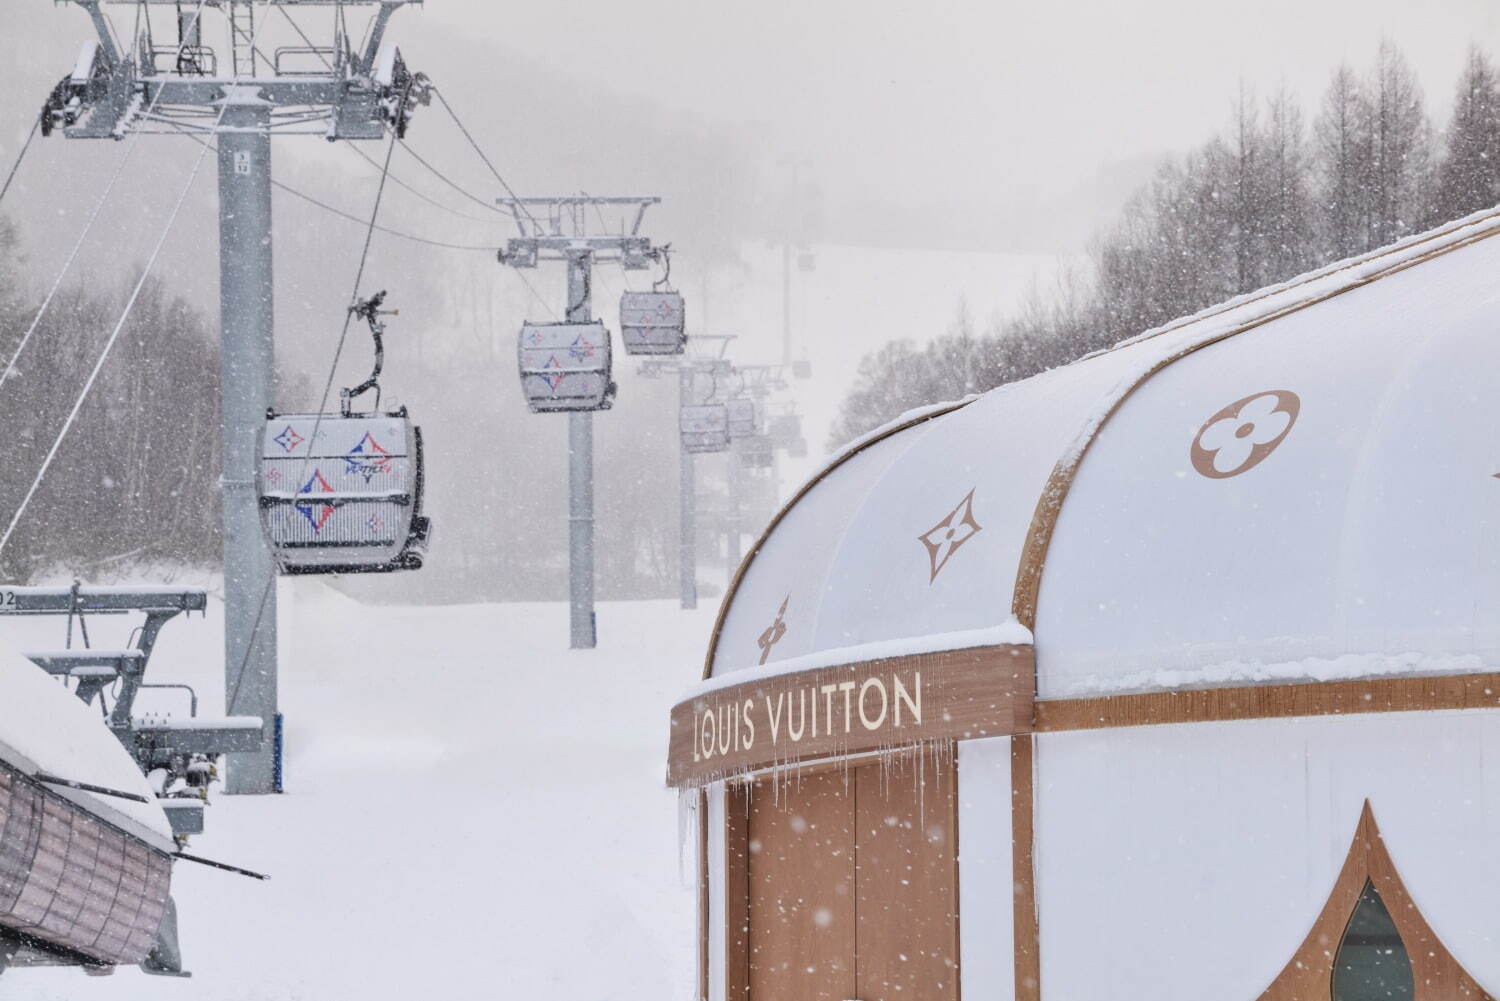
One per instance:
(1167,675)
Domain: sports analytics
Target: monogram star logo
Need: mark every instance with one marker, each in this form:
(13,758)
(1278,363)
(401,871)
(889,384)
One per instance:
(774,632)
(944,539)
(288,439)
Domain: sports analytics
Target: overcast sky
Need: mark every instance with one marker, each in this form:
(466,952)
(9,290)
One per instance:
(968,124)
(947,101)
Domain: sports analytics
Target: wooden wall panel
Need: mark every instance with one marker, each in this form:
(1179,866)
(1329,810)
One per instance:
(1025,925)
(801,890)
(705,896)
(737,802)
(907,878)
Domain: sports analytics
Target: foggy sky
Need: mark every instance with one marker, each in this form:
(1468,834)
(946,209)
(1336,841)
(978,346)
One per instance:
(989,108)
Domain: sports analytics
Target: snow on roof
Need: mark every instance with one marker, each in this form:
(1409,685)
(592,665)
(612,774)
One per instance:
(45,728)
(1296,475)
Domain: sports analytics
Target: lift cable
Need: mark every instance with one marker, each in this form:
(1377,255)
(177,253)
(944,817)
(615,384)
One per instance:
(480,151)
(93,218)
(232,695)
(104,354)
(342,214)
(423,196)
(36,127)
(487,248)
(491,206)
(365,156)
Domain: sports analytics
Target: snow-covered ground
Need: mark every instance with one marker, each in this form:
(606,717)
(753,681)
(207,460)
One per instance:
(473,811)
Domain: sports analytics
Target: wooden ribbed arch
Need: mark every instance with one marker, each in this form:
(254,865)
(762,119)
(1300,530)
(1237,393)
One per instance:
(1308,976)
(845,456)
(1060,483)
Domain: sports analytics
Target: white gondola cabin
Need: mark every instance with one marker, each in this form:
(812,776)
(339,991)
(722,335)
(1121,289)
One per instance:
(653,323)
(343,494)
(756,452)
(704,427)
(1169,674)
(744,417)
(565,366)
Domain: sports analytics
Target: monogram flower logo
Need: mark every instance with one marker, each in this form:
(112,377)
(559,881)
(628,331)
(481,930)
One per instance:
(1241,436)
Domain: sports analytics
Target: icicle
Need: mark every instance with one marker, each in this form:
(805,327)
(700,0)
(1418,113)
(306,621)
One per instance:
(687,812)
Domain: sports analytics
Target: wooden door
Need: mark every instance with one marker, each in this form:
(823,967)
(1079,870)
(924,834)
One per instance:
(906,879)
(851,888)
(800,859)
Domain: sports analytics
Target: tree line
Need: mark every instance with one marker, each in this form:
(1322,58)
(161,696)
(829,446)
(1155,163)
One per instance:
(135,481)
(1267,198)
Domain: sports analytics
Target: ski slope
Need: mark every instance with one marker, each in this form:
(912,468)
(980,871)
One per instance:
(473,810)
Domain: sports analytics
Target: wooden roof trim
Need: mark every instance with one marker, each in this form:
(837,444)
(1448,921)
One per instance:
(1060,483)
(739,574)
(1277,701)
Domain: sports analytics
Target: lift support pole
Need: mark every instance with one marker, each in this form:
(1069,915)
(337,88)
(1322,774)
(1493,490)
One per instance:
(687,523)
(365,96)
(581,626)
(247,364)
(557,229)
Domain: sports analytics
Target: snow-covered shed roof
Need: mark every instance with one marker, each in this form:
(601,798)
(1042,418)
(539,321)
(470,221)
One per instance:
(1297,484)
(45,728)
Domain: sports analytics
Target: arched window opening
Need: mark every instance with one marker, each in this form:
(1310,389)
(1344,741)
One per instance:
(1370,942)
(1372,963)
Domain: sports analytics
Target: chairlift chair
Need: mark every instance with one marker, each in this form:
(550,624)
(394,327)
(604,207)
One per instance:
(565,366)
(342,493)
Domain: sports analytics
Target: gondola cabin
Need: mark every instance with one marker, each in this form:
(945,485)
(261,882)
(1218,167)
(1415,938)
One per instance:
(565,367)
(653,323)
(1170,674)
(744,417)
(343,494)
(704,427)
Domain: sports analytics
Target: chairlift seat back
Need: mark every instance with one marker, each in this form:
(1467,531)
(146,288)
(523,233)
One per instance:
(565,366)
(653,323)
(346,498)
(704,427)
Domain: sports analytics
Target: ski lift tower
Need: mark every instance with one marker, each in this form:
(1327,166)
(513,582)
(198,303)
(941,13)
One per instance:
(558,229)
(239,95)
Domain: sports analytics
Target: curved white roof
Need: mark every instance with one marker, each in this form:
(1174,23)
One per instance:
(1297,484)
(45,728)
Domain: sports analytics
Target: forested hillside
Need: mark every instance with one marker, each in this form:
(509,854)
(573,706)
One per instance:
(1269,197)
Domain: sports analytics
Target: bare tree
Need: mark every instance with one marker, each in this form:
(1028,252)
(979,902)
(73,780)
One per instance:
(1469,175)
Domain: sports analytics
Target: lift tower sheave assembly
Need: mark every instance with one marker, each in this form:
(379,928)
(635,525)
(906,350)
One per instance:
(241,97)
(566,366)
